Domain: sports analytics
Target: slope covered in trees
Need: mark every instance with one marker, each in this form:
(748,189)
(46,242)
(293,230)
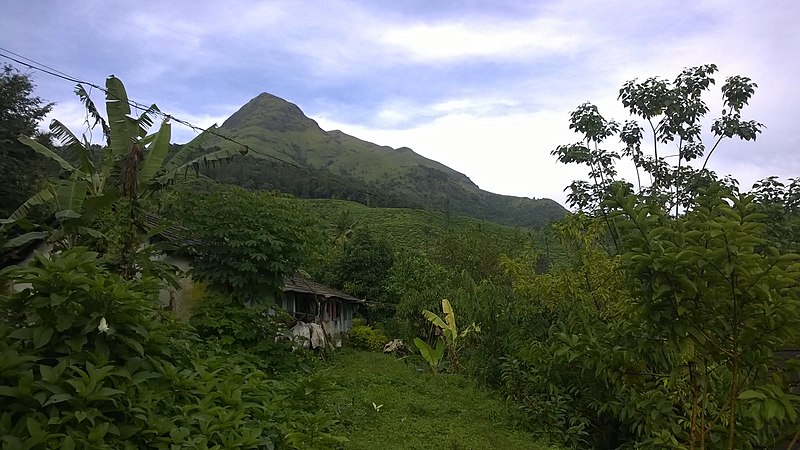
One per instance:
(336,165)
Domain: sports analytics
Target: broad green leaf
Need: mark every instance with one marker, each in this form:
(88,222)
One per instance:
(154,157)
(434,319)
(46,152)
(42,335)
(25,238)
(751,394)
(432,356)
(70,195)
(118,110)
(44,196)
(57,398)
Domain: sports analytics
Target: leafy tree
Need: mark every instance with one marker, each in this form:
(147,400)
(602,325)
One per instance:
(473,250)
(416,283)
(780,202)
(673,112)
(707,291)
(364,266)
(20,113)
(670,339)
(246,242)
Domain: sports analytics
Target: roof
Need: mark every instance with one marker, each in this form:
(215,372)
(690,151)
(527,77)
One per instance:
(174,234)
(297,283)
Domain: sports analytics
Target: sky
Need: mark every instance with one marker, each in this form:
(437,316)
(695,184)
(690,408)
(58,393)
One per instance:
(485,87)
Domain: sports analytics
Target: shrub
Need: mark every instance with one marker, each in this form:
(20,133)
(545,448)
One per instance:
(366,337)
(254,331)
(87,360)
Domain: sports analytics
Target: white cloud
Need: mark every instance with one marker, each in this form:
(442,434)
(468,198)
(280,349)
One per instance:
(461,40)
(485,88)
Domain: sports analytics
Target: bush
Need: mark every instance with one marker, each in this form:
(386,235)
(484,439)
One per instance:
(88,360)
(248,330)
(365,337)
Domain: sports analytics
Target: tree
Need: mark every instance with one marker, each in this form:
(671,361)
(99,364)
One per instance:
(246,242)
(20,113)
(684,352)
(673,112)
(364,266)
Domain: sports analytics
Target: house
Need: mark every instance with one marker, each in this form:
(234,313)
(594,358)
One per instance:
(304,299)
(310,301)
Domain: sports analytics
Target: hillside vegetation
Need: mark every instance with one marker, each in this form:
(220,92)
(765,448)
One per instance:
(291,153)
(669,319)
(410,228)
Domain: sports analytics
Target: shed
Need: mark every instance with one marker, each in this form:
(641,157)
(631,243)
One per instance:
(310,301)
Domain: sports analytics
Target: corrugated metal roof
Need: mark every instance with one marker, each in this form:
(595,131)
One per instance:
(297,283)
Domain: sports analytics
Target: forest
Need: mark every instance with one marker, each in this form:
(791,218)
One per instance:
(661,312)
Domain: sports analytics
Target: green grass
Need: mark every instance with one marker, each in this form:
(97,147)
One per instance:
(420,410)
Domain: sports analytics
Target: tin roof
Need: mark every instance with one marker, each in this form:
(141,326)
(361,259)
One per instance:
(298,283)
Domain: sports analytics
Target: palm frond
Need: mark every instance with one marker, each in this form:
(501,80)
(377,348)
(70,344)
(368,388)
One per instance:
(23,239)
(180,158)
(147,119)
(222,156)
(74,150)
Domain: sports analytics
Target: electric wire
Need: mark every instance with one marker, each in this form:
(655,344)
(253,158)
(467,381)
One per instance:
(38,66)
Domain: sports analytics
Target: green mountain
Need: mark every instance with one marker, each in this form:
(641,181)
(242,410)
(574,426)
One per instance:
(291,153)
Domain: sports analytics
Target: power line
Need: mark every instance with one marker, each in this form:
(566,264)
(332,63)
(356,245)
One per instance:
(38,66)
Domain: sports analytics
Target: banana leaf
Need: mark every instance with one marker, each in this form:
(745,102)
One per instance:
(433,356)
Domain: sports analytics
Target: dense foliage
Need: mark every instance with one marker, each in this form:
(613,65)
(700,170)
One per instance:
(664,313)
(20,112)
(89,361)
(245,242)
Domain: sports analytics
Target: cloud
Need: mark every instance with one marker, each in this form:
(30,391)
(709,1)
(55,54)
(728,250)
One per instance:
(485,87)
(495,40)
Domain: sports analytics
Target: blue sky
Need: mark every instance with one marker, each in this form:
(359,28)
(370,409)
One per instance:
(485,87)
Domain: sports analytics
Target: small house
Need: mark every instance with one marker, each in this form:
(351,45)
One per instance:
(310,301)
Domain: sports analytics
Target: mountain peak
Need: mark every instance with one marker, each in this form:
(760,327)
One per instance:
(267,111)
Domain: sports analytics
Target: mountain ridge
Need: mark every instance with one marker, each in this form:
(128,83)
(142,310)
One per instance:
(338,165)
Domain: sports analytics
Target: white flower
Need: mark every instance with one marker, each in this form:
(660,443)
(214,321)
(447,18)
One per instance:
(103,327)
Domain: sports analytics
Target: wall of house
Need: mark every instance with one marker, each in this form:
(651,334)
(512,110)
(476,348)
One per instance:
(185,298)
(333,314)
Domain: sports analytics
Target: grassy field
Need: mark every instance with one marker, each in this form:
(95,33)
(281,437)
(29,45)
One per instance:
(415,409)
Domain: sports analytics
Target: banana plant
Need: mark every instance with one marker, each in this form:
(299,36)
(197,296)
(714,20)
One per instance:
(132,164)
(433,356)
(449,331)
